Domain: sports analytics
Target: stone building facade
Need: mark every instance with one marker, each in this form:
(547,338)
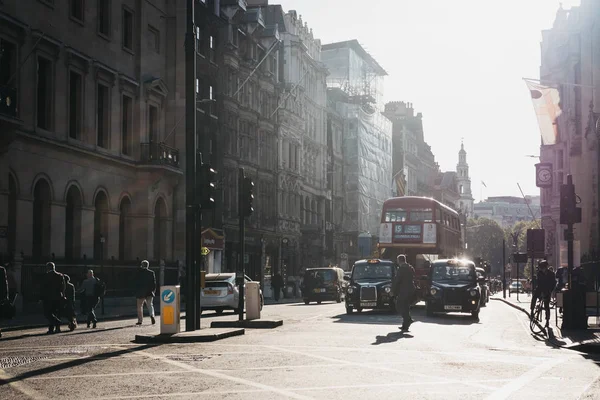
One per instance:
(569,62)
(84,169)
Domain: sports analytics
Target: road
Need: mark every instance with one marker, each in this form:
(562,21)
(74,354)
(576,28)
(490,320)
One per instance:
(319,353)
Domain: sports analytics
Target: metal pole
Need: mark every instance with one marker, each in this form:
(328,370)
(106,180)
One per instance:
(192,317)
(518,282)
(242,265)
(504,268)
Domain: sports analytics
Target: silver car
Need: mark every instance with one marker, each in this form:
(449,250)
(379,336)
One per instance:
(221,293)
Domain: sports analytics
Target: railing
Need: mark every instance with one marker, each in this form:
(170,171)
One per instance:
(159,153)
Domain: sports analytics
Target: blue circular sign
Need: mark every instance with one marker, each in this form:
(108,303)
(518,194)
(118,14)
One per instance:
(168,296)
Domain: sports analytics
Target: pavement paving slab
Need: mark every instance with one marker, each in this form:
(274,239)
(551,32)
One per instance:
(200,336)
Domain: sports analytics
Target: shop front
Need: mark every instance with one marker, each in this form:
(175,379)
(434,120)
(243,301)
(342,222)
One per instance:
(214,240)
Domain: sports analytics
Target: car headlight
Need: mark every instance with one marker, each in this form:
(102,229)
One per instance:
(387,289)
(350,290)
(473,292)
(433,291)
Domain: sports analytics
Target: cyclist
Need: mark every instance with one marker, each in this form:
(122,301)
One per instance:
(546,281)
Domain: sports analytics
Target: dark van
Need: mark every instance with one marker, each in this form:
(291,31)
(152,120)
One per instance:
(323,284)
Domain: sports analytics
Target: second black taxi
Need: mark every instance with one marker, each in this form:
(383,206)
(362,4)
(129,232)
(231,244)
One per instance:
(370,285)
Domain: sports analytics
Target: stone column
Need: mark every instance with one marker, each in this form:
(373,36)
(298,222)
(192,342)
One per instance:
(58,214)
(87,232)
(161,273)
(24,226)
(18,271)
(3,221)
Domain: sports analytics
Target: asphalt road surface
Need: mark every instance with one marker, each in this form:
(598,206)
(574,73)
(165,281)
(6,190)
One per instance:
(319,353)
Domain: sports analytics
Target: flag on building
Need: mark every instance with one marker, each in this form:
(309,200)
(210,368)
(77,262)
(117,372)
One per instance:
(546,102)
(483,183)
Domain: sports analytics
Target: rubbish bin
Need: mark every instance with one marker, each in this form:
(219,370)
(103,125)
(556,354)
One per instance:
(252,300)
(170,310)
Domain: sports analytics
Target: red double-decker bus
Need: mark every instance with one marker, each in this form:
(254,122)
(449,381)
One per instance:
(421,228)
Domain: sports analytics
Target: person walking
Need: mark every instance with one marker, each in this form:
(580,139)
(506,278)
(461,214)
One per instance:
(277,284)
(146,287)
(404,290)
(89,300)
(53,295)
(69,310)
(3,294)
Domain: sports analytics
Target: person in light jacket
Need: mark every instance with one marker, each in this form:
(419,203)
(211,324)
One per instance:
(145,291)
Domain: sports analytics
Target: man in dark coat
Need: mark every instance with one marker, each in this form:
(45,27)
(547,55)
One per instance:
(546,282)
(69,310)
(3,291)
(145,291)
(404,290)
(53,294)
(277,284)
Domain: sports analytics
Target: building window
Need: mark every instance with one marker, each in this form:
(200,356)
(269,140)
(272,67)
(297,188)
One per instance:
(102,116)
(126,125)
(76,10)
(235,36)
(212,48)
(103,8)
(127,29)
(152,123)
(75,104)
(200,42)
(8,63)
(44,93)
(153,39)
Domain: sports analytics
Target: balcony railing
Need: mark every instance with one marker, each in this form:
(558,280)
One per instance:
(159,153)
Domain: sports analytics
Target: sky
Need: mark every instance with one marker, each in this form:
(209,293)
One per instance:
(461,63)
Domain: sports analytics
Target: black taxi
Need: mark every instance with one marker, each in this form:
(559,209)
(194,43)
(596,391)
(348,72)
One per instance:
(370,285)
(454,287)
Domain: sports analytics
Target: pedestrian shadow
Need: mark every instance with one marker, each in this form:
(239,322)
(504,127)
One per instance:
(99,330)
(446,319)
(23,336)
(373,317)
(391,338)
(72,364)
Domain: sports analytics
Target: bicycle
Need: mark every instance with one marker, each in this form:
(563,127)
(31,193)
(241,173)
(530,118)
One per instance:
(535,321)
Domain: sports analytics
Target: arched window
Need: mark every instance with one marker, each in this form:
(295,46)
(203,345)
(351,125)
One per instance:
(315,211)
(306,211)
(100,225)
(461,189)
(125,229)
(160,230)
(12,215)
(73,224)
(284,204)
(41,219)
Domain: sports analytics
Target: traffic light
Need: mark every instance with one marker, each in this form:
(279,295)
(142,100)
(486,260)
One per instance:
(207,186)
(569,212)
(247,197)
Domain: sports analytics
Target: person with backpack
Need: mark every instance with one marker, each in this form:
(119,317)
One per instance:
(90,290)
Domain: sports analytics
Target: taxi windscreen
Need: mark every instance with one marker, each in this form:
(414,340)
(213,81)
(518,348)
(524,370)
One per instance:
(372,271)
(452,272)
(320,276)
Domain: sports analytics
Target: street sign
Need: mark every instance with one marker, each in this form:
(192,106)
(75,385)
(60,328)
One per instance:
(205,251)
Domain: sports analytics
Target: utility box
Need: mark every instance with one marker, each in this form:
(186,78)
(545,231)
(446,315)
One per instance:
(170,310)
(252,300)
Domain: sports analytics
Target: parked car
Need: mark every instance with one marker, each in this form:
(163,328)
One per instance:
(324,284)
(516,287)
(222,293)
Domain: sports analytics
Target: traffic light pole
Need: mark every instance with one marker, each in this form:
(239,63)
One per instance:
(192,317)
(242,254)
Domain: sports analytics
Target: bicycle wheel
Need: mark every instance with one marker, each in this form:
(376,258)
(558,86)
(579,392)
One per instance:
(535,323)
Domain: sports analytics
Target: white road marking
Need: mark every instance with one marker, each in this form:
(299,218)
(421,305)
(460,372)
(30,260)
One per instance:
(300,389)
(381,368)
(219,375)
(21,387)
(513,386)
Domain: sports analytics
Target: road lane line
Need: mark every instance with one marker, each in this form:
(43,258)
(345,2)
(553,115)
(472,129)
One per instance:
(20,387)
(513,386)
(380,368)
(219,375)
(300,389)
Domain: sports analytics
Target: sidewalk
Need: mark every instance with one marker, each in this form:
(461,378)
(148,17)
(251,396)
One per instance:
(584,340)
(126,309)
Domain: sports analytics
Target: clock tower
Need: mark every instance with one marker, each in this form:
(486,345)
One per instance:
(465,203)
